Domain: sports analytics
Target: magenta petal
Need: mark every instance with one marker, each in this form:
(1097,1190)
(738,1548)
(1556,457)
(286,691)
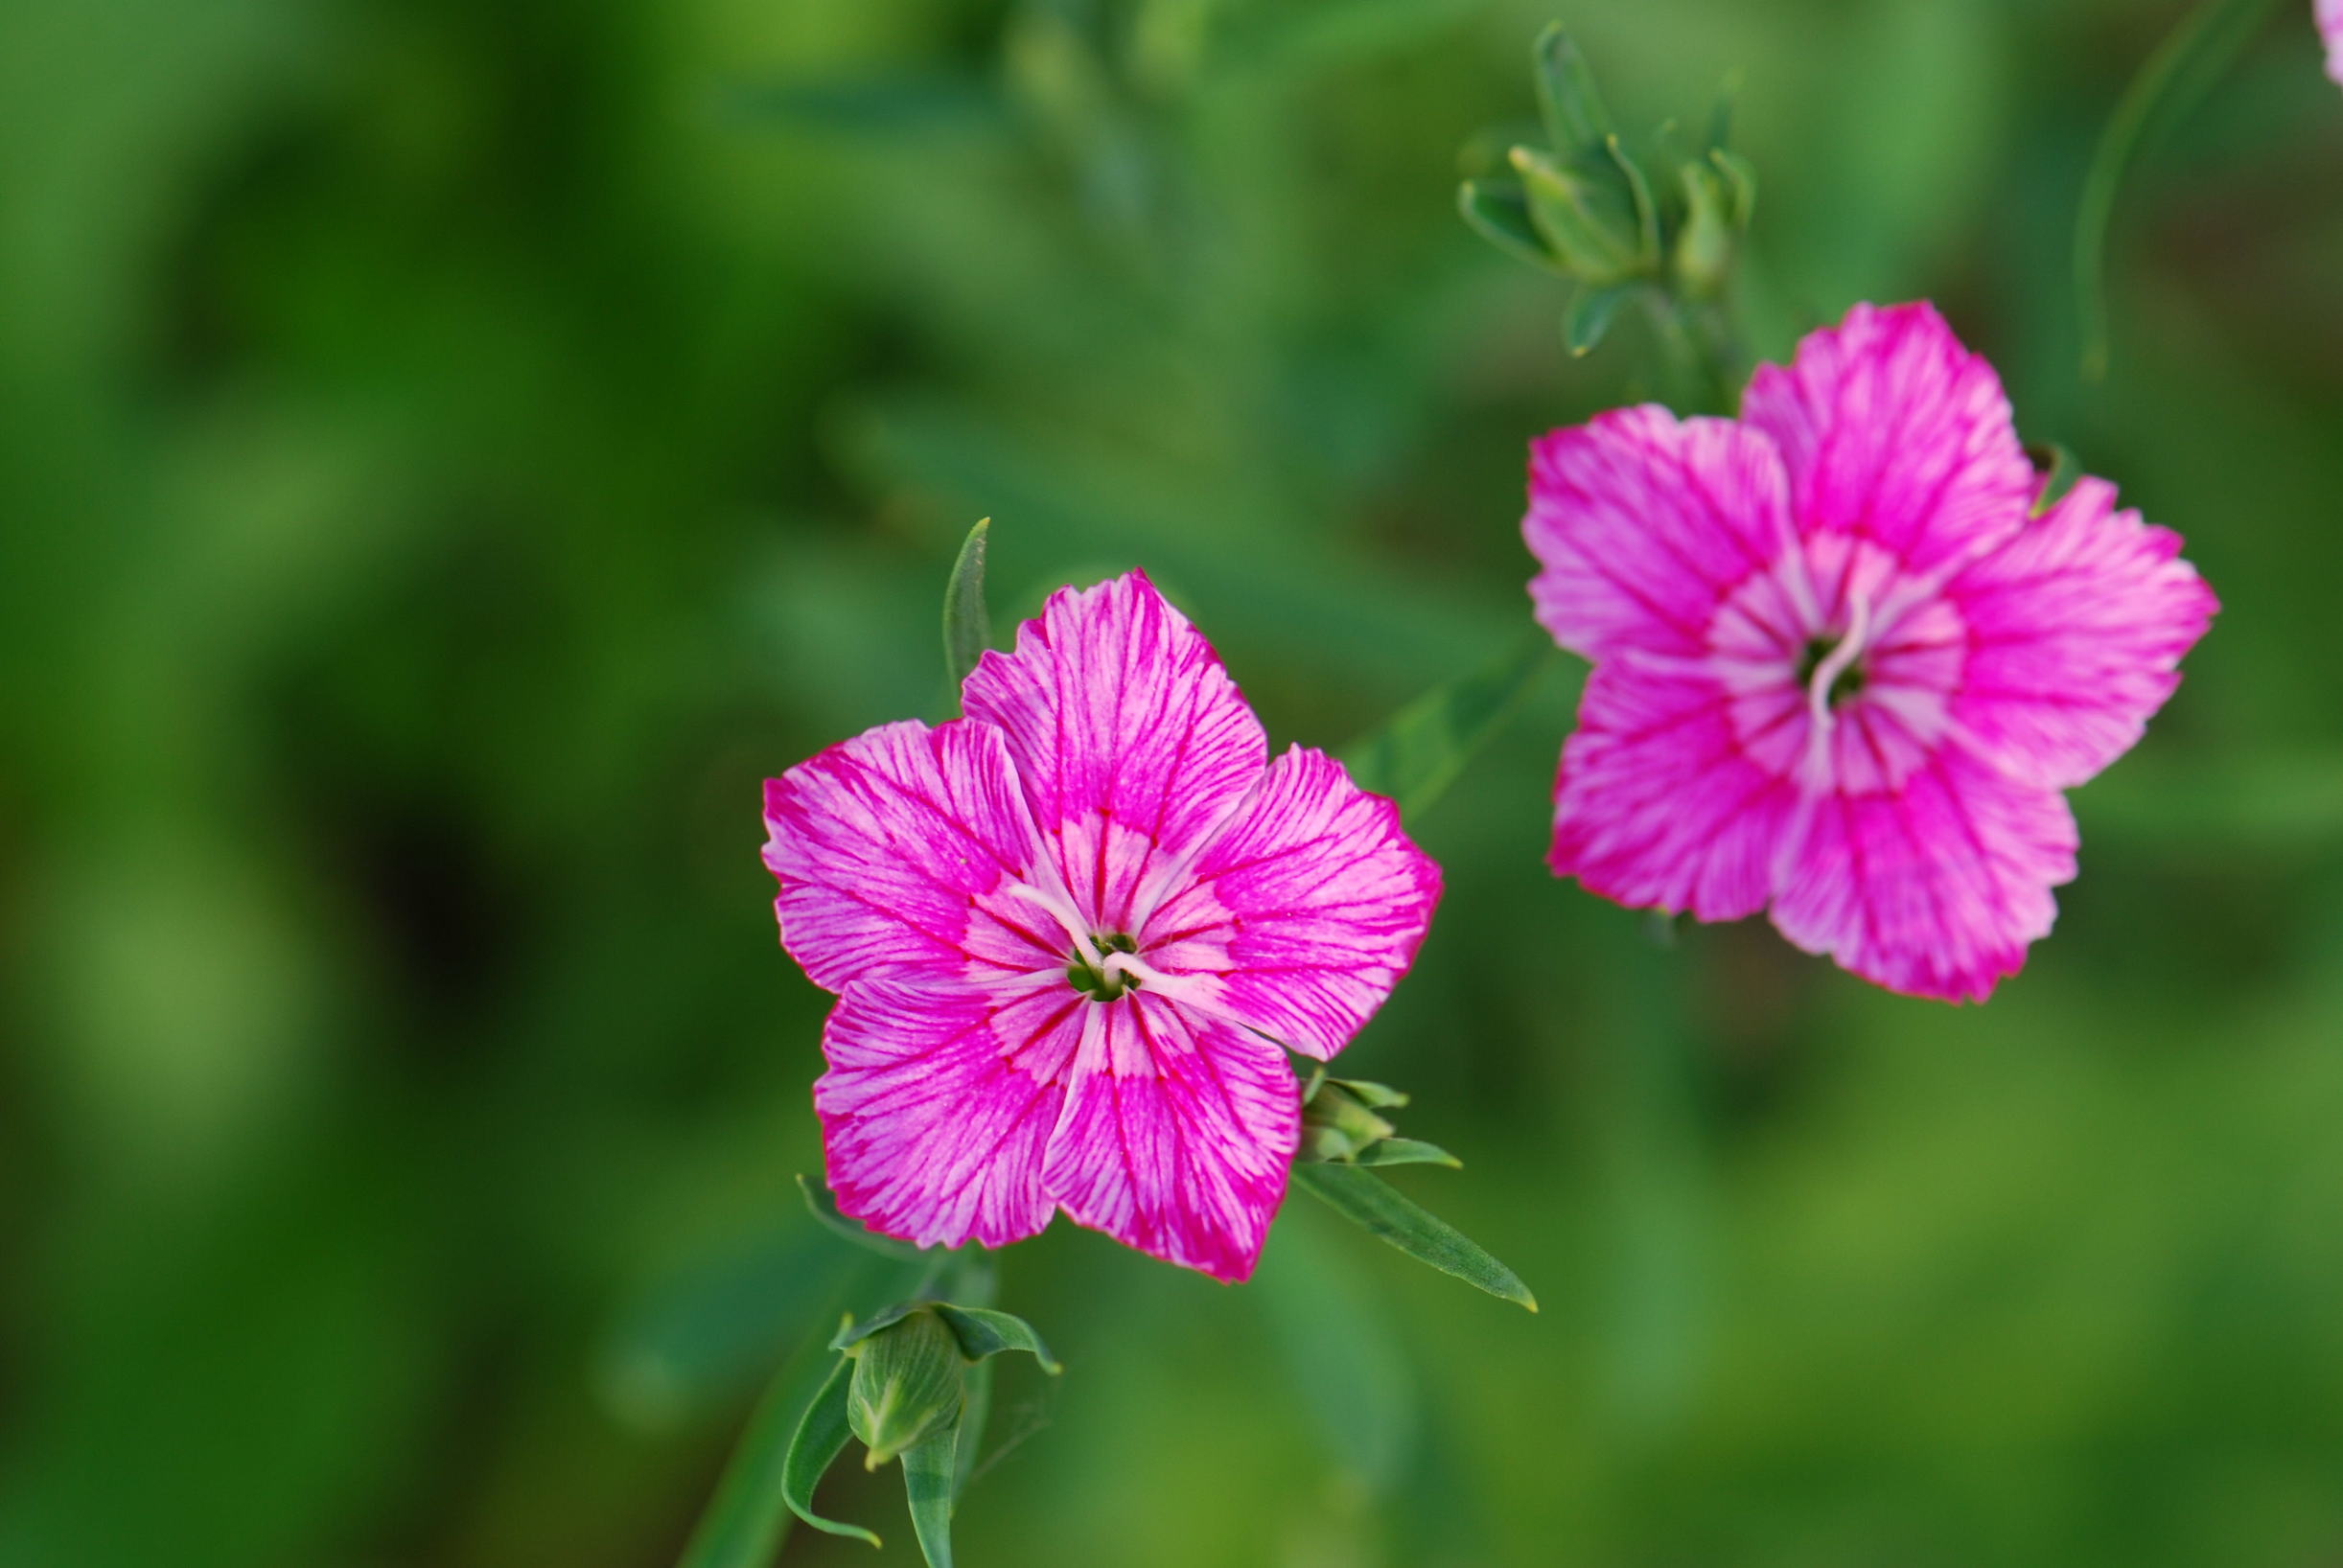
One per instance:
(938,1104)
(1130,737)
(2075,633)
(1674,793)
(1177,1134)
(887,847)
(2330,29)
(1304,913)
(1643,524)
(1935,889)
(1895,433)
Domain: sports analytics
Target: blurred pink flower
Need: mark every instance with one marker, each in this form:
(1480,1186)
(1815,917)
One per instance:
(1073,935)
(2331,28)
(1841,670)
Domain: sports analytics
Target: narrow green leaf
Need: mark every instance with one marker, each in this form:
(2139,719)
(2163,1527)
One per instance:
(975,1414)
(1591,314)
(982,1332)
(1575,118)
(967,629)
(853,1332)
(824,1208)
(749,1515)
(1407,1151)
(819,1434)
(1380,1096)
(2180,72)
(1500,213)
(1370,1202)
(1647,210)
(930,1476)
(1741,176)
(1417,754)
(2058,467)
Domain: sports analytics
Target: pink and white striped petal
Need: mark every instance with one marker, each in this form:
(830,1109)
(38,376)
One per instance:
(938,1104)
(1128,734)
(2075,630)
(1177,1134)
(2330,29)
(1895,433)
(1676,793)
(893,850)
(1933,888)
(1299,917)
(1644,524)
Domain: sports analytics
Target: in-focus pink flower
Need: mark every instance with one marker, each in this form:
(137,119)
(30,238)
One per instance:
(1073,935)
(2330,29)
(1841,670)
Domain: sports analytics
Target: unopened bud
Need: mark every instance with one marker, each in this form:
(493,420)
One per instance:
(1586,211)
(909,1381)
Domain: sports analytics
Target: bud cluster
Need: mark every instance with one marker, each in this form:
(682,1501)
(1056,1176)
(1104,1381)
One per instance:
(1670,218)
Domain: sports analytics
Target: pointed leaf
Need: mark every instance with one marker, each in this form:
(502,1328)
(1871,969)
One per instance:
(967,627)
(1741,177)
(1575,119)
(1372,1203)
(749,1515)
(1421,750)
(1590,316)
(854,1332)
(1407,1151)
(1380,1096)
(820,1433)
(1647,211)
(1499,214)
(930,1476)
(982,1332)
(824,1208)
(2060,468)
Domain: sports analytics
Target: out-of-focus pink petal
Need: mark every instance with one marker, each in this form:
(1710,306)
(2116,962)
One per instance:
(891,850)
(1177,1132)
(1895,433)
(2331,28)
(1933,888)
(1643,524)
(2074,631)
(1128,734)
(1675,791)
(1303,913)
(939,1101)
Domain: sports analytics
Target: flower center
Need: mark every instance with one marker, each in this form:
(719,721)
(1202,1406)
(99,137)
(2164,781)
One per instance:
(1845,682)
(1103,981)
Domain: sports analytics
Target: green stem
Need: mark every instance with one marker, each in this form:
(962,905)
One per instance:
(2183,68)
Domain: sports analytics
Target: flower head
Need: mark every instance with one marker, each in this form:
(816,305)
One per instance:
(2330,29)
(1073,935)
(1841,669)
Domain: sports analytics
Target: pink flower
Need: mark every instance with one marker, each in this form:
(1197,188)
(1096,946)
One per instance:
(2331,28)
(1839,668)
(1073,935)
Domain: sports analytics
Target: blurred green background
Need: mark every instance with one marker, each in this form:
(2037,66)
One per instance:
(450,452)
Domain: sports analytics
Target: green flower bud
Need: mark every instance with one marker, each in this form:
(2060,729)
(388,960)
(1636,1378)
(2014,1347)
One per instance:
(909,1381)
(1704,255)
(1587,214)
(1337,1124)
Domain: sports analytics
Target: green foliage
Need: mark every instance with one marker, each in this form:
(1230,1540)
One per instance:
(452,454)
(1371,1203)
